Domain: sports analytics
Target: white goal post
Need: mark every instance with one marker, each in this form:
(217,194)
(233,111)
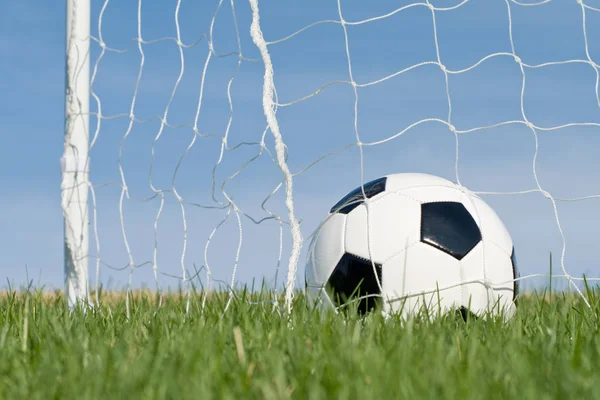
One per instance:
(202,173)
(75,160)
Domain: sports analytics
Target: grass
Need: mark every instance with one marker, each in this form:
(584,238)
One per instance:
(550,350)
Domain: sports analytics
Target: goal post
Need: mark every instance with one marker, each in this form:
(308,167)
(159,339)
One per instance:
(75,160)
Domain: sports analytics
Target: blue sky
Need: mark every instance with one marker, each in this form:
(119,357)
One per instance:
(500,159)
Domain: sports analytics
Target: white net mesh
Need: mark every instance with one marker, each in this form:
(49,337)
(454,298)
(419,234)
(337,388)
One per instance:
(203,115)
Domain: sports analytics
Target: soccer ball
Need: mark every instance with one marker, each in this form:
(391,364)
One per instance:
(413,241)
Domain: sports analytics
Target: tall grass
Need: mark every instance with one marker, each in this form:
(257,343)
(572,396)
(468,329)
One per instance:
(550,350)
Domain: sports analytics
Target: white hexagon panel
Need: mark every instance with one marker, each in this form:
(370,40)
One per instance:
(423,276)
(325,251)
(382,227)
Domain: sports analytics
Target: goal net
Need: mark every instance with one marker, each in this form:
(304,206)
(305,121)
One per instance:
(210,139)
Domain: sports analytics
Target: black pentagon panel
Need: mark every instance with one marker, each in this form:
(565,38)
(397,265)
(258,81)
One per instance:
(353,277)
(449,227)
(356,198)
(513,259)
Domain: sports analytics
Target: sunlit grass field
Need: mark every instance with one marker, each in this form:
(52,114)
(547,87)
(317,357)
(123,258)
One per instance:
(550,350)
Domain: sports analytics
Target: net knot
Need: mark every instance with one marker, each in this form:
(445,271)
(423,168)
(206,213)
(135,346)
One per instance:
(517,59)
(488,284)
